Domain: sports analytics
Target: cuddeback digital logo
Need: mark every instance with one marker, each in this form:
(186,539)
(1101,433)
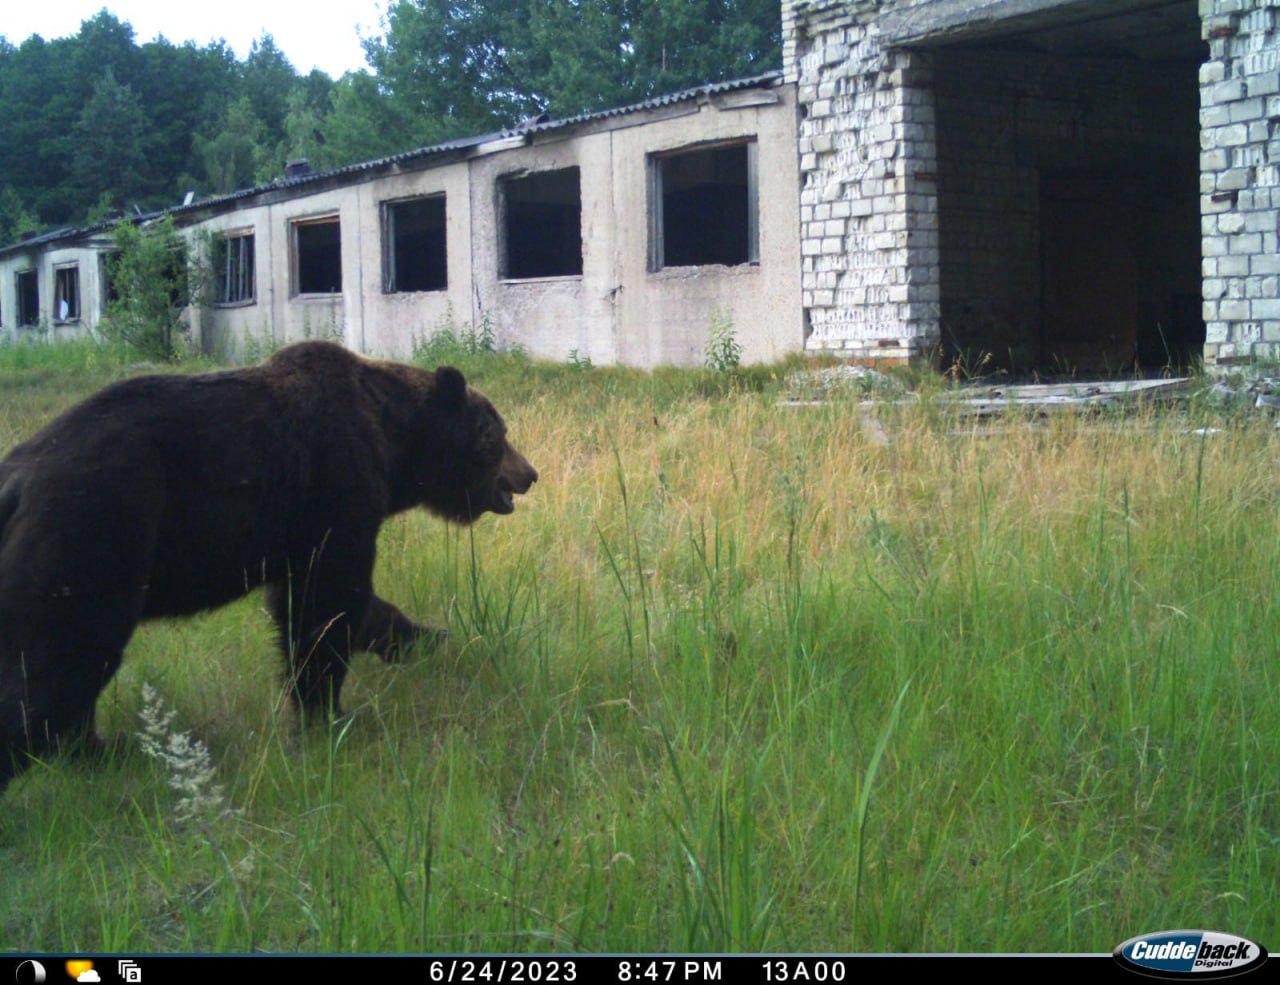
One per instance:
(1201,954)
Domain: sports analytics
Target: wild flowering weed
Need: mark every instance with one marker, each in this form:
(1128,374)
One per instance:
(185,757)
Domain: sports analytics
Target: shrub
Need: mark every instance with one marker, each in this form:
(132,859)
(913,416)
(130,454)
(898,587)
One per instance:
(148,276)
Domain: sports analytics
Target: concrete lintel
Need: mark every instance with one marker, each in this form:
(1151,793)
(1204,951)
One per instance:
(945,21)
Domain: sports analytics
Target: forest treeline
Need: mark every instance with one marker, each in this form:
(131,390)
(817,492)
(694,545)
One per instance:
(97,124)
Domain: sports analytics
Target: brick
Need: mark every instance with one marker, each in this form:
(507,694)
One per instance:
(1248,332)
(1228,91)
(1233,179)
(1233,310)
(1264,85)
(1211,72)
(1229,223)
(1215,116)
(883,133)
(1231,136)
(1246,109)
(1258,287)
(1233,266)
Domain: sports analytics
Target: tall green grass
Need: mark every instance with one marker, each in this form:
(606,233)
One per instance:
(733,677)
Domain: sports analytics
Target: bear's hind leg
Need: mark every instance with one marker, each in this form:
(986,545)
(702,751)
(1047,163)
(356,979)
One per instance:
(51,711)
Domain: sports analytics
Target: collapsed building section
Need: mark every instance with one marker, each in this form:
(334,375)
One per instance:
(1022,184)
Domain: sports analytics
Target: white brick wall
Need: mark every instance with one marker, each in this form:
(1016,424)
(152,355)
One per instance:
(1240,179)
(868,197)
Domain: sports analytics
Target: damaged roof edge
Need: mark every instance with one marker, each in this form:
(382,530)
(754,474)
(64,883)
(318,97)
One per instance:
(68,234)
(499,140)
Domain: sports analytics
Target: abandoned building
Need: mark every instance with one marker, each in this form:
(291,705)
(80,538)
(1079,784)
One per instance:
(1045,186)
(617,237)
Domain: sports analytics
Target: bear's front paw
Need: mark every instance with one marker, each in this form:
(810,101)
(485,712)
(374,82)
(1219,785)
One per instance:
(414,637)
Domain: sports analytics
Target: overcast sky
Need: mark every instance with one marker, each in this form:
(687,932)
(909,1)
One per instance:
(323,34)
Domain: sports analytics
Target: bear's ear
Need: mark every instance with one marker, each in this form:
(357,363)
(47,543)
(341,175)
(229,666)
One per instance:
(451,386)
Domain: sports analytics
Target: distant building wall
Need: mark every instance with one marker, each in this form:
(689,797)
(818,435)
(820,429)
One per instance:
(506,205)
(627,236)
(52,290)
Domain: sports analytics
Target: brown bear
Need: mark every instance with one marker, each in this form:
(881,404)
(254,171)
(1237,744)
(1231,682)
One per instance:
(166,495)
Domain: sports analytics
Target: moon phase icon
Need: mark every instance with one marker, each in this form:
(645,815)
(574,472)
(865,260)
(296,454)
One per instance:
(30,973)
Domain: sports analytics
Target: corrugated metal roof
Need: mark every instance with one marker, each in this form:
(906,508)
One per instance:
(467,143)
(529,128)
(685,95)
(67,233)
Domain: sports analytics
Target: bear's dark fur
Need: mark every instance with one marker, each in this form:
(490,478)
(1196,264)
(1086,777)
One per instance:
(167,495)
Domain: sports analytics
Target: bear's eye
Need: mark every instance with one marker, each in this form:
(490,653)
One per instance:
(489,443)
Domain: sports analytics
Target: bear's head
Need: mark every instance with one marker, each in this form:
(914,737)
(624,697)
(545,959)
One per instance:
(479,471)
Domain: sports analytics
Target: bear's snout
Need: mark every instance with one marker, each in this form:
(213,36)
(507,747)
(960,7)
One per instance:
(526,476)
(515,478)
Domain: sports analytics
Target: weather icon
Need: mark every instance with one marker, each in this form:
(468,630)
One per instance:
(30,973)
(82,971)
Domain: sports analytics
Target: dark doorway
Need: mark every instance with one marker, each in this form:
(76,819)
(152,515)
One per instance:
(1068,192)
(1089,274)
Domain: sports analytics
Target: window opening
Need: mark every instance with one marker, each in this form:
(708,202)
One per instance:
(317,256)
(542,224)
(704,207)
(66,293)
(233,265)
(415,257)
(28,298)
